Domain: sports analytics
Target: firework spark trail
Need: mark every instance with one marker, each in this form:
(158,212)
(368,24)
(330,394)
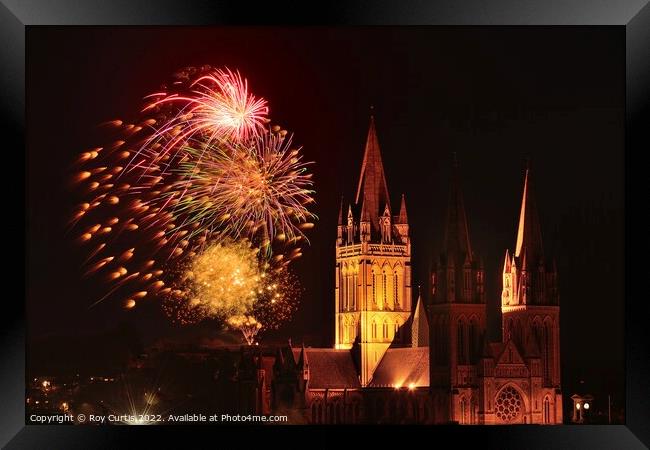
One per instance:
(256,192)
(218,106)
(115,288)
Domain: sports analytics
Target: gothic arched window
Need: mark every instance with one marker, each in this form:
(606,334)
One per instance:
(355,275)
(396,291)
(433,283)
(463,411)
(507,332)
(473,339)
(547,410)
(548,351)
(437,325)
(373,328)
(344,294)
(445,341)
(347,289)
(537,333)
(384,284)
(374,288)
(462,354)
(376,291)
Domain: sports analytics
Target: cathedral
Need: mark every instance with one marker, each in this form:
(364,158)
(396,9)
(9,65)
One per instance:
(433,363)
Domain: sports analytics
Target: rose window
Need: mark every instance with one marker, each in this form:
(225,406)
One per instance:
(509,404)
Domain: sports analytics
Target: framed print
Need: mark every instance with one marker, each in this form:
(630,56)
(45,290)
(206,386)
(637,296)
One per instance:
(380,220)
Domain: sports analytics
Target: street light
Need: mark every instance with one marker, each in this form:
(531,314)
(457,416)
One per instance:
(582,404)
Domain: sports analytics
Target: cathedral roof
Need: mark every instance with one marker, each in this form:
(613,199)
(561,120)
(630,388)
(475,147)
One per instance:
(372,191)
(303,359)
(509,354)
(456,240)
(330,368)
(529,234)
(403,367)
(496,348)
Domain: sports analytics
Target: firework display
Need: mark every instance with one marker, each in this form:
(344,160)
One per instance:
(258,190)
(248,325)
(201,202)
(217,105)
(222,281)
(227,280)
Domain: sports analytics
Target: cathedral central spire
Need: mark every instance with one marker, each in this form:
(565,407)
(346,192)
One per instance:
(456,241)
(373,269)
(372,191)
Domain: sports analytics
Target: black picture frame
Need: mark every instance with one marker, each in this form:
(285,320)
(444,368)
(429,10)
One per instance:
(634,15)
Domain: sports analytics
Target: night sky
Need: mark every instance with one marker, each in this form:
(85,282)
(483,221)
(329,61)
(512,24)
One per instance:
(494,96)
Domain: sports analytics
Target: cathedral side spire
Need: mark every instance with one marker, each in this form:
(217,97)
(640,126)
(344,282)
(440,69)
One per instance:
(456,241)
(529,234)
(372,190)
(529,300)
(340,227)
(458,295)
(403,217)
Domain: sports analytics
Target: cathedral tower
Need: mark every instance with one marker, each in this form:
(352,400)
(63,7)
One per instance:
(530,305)
(373,267)
(458,311)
